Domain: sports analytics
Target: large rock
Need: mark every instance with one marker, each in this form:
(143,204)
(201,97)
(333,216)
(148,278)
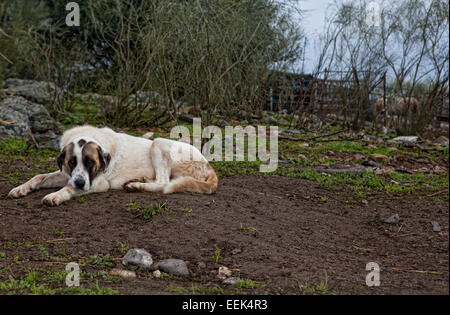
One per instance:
(36,91)
(379,158)
(19,116)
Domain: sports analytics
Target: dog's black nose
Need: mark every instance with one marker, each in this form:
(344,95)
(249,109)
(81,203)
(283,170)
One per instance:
(79,183)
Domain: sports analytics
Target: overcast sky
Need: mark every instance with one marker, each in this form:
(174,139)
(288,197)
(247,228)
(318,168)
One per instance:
(312,23)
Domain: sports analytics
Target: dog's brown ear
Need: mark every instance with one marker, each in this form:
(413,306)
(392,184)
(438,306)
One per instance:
(104,159)
(61,158)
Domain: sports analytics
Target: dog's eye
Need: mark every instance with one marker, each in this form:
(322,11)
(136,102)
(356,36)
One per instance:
(72,162)
(88,162)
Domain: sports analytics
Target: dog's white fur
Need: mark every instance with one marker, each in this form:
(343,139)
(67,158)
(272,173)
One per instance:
(133,163)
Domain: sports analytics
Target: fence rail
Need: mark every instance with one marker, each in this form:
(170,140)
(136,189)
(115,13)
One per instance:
(296,92)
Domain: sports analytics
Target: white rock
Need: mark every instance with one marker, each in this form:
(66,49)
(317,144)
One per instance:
(224,273)
(122,273)
(138,257)
(406,139)
(157,274)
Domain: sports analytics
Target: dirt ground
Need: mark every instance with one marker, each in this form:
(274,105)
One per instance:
(289,235)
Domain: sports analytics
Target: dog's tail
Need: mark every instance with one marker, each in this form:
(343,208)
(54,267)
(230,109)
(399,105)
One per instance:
(188,183)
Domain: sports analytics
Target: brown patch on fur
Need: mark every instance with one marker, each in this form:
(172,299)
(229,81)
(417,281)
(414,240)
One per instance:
(193,177)
(94,159)
(67,158)
(82,142)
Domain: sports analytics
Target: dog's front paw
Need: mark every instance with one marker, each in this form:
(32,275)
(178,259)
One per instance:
(134,186)
(19,191)
(131,187)
(53,199)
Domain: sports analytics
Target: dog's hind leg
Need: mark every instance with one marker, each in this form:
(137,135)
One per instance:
(51,180)
(160,157)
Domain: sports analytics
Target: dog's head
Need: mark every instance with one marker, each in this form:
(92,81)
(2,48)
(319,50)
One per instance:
(83,161)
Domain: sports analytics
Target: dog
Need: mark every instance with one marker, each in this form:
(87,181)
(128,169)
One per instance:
(94,160)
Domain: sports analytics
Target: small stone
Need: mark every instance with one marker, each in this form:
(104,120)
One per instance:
(201,265)
(224,273)
(390,219)
(175,267)
(364,202)
(138,257)
(380,158)
(371,163)
(231,281)
(358,157)
(156,274)
(392,149)
(222,124)
(302,157)
(236,251)
(384,170)
(270,120)
(436,226)
(122,273)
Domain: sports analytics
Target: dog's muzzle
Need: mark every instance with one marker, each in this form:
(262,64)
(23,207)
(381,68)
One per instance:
(79,183)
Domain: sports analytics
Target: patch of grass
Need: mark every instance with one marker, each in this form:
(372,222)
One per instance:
(321,289)
(247,284)
(146,213)
(186,210)
(37,282)
(248,228)
(176,289)
(216,257)
(83,199)
(123,249)
(13,145)
(165,275)
(98,260)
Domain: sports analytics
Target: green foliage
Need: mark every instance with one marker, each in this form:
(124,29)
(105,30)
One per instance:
(146,213)
(212,54)
(216,257)
(247,284)
(37,282)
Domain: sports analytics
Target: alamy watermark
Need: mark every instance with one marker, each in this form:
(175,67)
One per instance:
(233,147)
(373,14)
(73,277)
(73,17)
(373,277)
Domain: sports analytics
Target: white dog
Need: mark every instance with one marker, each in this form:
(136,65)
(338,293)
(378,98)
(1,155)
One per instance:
(95,160)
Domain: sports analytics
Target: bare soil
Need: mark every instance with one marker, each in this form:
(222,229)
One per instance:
(287,234)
